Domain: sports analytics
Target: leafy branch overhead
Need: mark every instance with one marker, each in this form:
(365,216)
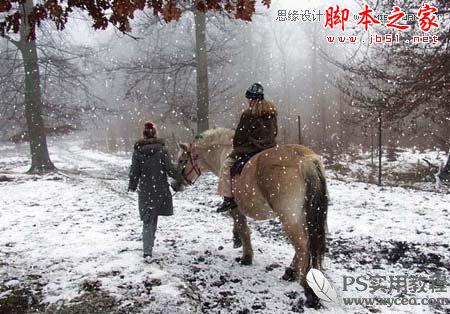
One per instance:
(116,12)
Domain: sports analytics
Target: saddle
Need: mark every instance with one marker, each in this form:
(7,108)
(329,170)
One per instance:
(240,163)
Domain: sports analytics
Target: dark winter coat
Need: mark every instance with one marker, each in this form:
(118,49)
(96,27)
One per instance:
(148,174)
(254,133)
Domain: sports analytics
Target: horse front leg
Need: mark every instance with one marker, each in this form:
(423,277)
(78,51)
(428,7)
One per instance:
(241,227)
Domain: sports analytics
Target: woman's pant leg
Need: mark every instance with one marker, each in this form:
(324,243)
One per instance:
(148,234)
(224,187)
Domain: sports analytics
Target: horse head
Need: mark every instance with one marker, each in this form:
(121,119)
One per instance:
(189,162)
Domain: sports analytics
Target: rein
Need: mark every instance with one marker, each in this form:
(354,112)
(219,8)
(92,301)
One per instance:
(195,168)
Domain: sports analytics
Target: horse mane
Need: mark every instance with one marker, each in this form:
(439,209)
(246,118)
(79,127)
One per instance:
(218,136)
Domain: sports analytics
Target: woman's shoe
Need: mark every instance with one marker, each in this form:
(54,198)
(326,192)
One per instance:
(148,258)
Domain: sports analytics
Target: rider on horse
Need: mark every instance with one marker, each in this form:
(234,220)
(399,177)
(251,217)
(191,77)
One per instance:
(256,131)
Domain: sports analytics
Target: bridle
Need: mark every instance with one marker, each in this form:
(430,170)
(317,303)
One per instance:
(195,168)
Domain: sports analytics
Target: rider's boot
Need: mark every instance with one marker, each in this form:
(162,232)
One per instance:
(228,203)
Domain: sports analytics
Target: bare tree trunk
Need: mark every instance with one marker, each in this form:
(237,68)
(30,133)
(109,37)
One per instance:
(317,88)
(343,138)
(111,135)
(380,147)
(40,159)
(202,72)
(372,135)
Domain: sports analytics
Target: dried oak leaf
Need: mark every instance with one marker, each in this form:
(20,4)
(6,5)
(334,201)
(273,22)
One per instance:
(171,12)
(5,6)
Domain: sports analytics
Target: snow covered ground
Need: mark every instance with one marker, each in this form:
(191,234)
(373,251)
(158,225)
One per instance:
(70,243)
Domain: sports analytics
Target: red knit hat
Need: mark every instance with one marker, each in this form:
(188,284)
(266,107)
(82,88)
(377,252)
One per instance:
(149,130)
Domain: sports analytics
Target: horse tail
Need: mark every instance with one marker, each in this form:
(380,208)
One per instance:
(316,207)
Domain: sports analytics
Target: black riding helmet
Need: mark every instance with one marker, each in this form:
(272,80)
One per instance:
(255,92)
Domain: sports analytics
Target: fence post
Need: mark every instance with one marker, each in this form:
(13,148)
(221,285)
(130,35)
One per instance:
(299,130)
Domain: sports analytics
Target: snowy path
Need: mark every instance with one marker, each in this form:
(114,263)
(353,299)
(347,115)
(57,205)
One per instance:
(61,232)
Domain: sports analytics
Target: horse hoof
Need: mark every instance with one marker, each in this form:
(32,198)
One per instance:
(289,274)
(312,301)
(313,304)
(298,307)
(246,260)
(237,243)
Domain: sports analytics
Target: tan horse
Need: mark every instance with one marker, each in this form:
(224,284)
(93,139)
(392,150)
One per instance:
(286,181)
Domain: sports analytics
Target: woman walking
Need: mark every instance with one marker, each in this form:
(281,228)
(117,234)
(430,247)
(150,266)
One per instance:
(148,175)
